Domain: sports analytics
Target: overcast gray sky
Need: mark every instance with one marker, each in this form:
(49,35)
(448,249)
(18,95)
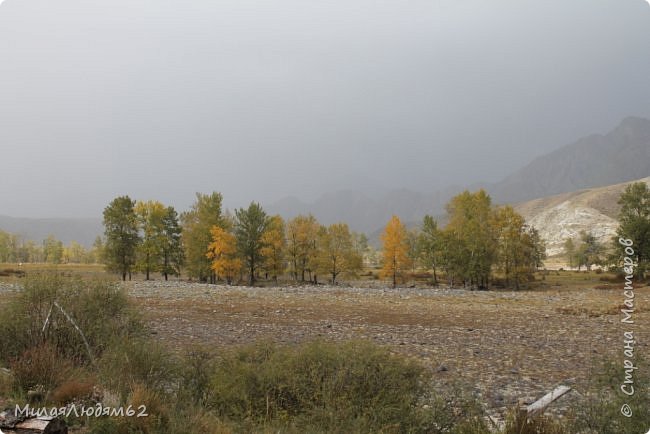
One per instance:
(263,99)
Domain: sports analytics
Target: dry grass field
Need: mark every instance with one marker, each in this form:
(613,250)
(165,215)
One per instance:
(506,345)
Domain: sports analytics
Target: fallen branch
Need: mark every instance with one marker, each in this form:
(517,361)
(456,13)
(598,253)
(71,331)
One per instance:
(540,405)
(74,324)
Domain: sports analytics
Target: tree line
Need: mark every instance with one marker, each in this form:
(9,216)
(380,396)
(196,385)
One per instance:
(15,249)
(479,242)
(212,244)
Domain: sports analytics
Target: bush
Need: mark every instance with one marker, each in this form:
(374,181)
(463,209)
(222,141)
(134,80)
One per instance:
(131,362)
(74,391)
(516,424)
(600,410)
(99,308)
(324,387)
(40,366)
(6,382)
(197,368)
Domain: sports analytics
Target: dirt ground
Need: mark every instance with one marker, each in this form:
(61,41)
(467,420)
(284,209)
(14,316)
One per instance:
(506,345)
(502,345)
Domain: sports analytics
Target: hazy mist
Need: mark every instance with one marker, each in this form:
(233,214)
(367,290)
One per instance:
(265,99)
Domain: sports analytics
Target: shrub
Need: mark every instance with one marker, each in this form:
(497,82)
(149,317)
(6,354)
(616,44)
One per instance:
(600,410)
(150,402)
(197,368)
(518,424)
(99,308)
(40,366)
(6,382)
(324,387)
(131,362)
(73,391)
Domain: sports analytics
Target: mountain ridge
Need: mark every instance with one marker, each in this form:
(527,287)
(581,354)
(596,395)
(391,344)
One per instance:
(596,160)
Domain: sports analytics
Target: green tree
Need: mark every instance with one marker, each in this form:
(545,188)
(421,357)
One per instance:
(53,250)
(589,252)
(173,255)
(32,252)
(634,219)
(413,252)
(472,237)
(274,250)
(8,247)
(97,251)
(538,247)
(196,223)
(361,243)
(121,233)
(250,225)
(337,251)
(150,217)
(430,245)
(570,251)
(75,253)
(519,249)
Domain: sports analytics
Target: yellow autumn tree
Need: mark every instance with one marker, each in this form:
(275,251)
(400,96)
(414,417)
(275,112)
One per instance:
(395,250)
(302,243)
(336,251)
(223,253)
(274,242)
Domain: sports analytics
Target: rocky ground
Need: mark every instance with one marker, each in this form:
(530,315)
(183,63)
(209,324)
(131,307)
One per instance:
(502,345)
(506,345)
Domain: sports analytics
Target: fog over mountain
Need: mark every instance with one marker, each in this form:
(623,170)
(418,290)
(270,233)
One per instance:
(597,160)
(265,100)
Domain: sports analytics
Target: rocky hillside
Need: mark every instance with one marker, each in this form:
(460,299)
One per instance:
(565,215)
(598,160)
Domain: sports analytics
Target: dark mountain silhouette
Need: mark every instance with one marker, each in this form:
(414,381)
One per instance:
(621,155)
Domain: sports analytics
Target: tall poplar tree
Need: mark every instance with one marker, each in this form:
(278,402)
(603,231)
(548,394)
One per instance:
(430,245)
(121,233)
(470,228)
(150,217)
(302,239)
(222,251)
(197,222)
(634,219)
(395,250)
(337,251)
(173,255)
(250,225)
(274,249)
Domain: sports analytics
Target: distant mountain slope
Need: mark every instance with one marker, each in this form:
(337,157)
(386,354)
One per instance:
(563,216)
(598,160)
(82,230)
(362,212)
